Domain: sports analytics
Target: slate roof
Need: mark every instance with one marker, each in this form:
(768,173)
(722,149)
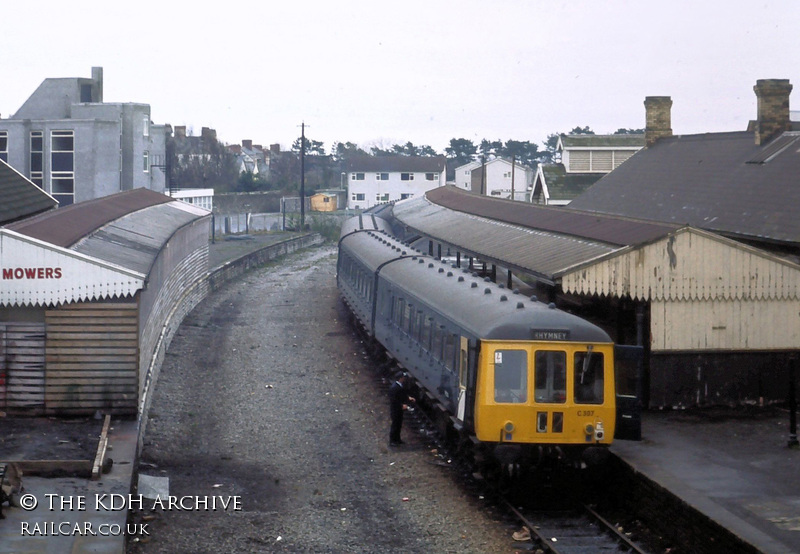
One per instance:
(562,185)
(721,182)
(397,163)
(19,198)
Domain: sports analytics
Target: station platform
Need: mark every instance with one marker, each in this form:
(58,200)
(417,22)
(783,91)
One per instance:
(733,466)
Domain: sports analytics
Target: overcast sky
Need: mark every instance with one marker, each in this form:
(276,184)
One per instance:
(379,73)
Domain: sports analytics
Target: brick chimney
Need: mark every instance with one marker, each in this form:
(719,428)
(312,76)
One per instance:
(773,108)
(247,143)
(180,131)
(208,133)
(658,118)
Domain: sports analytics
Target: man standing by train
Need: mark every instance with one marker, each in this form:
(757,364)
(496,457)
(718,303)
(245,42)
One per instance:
(398,402)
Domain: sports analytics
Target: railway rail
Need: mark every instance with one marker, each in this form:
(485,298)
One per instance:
(581,531)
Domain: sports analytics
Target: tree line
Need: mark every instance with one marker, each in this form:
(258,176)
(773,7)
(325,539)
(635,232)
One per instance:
(210,164)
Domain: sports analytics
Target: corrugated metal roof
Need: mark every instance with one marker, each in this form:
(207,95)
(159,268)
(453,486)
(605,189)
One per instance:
(587,225)
(67,225)
(19,198)
(530,251)
(542,241)
(133,241)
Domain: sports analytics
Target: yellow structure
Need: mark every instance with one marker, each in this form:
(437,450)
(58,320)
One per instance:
(323,202)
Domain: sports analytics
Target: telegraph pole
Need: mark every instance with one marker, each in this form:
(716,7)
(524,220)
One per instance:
(303,176)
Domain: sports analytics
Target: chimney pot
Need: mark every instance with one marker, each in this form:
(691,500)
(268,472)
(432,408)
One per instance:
(658,118)
(247,143)
(773,108)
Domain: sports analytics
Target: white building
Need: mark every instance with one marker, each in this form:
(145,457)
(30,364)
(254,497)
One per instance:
(463,175)
(500,178)
(374,180)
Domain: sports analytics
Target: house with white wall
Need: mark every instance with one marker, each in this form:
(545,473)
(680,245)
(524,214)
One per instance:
(584,160)
(463,175)
(375,180)
(502,178)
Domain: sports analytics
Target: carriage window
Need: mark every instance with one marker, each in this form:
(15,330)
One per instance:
(510,376)
(406,318)
(550,376)
(426,334)
(419,326)
(589,377)
(398,313)
(449,351)
(436,349)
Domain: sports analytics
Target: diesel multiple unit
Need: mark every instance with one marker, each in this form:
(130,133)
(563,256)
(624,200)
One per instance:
(517,378)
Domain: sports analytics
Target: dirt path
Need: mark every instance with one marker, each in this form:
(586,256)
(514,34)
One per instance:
(267,395)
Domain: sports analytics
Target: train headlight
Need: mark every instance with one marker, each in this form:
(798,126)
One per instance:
(508,430)
(598,432)
(589,429)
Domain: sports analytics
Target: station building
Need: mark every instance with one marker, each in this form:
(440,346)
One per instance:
(91,294)
(689,249)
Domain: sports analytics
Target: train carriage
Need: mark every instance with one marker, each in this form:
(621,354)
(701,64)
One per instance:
(519,377)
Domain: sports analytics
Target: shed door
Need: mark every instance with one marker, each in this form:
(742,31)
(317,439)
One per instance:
(22,367)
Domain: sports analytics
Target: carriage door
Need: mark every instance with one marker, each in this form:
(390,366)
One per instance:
(628,375)
(463,366)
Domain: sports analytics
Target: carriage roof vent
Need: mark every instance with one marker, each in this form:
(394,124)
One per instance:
(520,305)
(502,286)
(533,298)
(474,285)
(487,290)
(516,291)
(552,306)
(421,261)
(460,278)
(441,270)
(504,298)
(449,273)
(430,264)
(487,279)
(403,253)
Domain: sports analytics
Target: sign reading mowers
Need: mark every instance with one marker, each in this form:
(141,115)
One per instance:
(36,273)
(31,273)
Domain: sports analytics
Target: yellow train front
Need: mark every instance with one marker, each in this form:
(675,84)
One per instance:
(514,380)
(555,394)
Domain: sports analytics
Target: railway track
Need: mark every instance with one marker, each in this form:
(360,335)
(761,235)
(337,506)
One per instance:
(580,531)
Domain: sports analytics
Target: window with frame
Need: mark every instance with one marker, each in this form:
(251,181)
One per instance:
(359,196)
(382,197)
(405,195)
(510,376)
(435,176)
(62,166)
(382,176)
(146,126)
(589,382)
(550,376)
(146,162)
(357,176)
(37,158)
(4,146)
(406,176)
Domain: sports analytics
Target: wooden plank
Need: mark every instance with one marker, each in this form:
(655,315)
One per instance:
(90,374)
(52,468)
(100,366)
(100,457)
(56,335)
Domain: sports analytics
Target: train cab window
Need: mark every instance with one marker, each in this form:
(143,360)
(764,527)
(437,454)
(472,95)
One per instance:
(510,376)
(589,381)
(550,376)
